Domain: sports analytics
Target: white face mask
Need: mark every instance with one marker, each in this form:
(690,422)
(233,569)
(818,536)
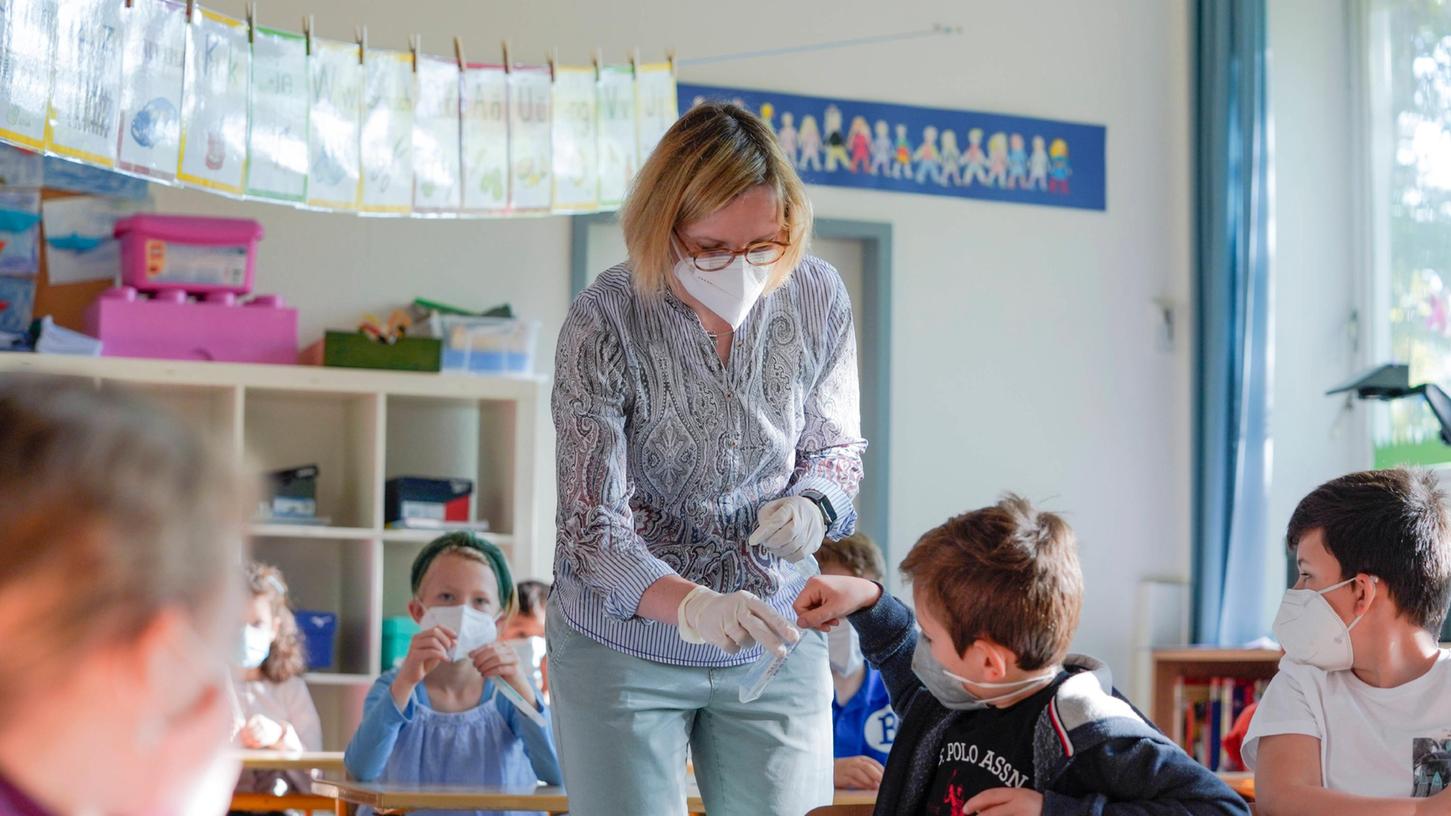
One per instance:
(1014,688)
(1311,632)
(729,293)
(843,650)
(474,628)
(948,688)
(256,644)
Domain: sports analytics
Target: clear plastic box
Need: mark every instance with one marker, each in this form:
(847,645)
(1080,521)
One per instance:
(486,345)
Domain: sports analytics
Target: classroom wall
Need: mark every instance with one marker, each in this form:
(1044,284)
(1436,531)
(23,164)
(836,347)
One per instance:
(1027,350)
(1315,266)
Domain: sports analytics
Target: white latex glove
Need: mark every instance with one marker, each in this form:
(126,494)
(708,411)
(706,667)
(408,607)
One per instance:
(733,622)
(792,528)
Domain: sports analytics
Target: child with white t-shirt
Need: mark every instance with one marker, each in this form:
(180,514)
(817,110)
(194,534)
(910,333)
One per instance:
(1358,720)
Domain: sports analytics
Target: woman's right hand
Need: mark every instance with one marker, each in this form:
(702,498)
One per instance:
(826,599)
(733,622)
(427,649)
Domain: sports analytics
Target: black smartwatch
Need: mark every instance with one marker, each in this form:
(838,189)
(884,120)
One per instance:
(828,512)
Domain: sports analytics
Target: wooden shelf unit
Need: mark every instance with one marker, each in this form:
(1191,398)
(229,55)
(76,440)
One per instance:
(1203,663)
(361,428)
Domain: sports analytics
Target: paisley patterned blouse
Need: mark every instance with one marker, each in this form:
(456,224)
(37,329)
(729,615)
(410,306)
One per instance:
(665,455)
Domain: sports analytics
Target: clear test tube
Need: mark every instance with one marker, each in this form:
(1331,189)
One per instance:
(769,664)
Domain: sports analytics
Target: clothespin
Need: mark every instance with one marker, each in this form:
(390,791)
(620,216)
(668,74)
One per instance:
(307,32)
(415,43)
(190,11)
(598,58)
(508,65)
(458,53)
(130,3)
(635,61)
(670,58)
(360,33)
(551,60)
(252,22)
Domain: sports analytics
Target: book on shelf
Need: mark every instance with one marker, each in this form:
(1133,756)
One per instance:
(1205,711)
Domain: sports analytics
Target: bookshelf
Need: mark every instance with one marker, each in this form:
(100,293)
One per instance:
(1203,663)
(361,428)
(1203,670)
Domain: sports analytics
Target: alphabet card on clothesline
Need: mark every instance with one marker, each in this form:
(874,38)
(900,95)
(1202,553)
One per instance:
(530,135)
(85,97)
(153,61)
(436,137)
(277,134)
(214,103)
(484,106)
(387,132)
(337,103)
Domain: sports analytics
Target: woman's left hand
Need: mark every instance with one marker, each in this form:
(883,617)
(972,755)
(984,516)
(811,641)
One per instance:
(499,660)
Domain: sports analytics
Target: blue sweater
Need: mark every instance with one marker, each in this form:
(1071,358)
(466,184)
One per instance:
(372,746)
(1094,754)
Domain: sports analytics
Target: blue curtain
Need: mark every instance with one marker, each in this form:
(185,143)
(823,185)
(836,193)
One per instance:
(1234,349)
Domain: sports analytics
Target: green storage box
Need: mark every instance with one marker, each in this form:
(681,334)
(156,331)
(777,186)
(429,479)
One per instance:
(397,634)
(356,350)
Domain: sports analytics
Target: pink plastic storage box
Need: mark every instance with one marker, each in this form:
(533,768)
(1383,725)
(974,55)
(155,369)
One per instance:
(198,255)
(171,327)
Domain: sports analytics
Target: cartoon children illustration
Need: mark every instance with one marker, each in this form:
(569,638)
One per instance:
(859,142)
(951,160)
(809,142)
(974,162)
(1058,169)
(881,151)
(787,136)
(997,160)
(767,112)
(903,167)
(1017,162)
(928,163)
(1038,166)
(835,144)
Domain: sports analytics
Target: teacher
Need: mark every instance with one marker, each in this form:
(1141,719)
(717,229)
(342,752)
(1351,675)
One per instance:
(706,407)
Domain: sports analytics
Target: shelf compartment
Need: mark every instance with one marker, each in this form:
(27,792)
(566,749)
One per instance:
(336,432)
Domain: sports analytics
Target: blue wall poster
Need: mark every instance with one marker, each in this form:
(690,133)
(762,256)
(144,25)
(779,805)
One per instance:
(906,149)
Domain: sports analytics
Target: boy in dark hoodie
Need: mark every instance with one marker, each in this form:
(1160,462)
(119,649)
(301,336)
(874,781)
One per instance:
(996,718)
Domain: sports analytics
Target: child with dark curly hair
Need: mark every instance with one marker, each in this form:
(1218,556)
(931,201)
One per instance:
(275,709)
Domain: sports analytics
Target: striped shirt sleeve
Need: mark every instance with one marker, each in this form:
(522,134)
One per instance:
(596,529)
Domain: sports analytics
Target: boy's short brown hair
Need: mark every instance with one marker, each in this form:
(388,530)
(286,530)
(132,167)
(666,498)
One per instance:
(856,553)
(1008,573)
(1391,524)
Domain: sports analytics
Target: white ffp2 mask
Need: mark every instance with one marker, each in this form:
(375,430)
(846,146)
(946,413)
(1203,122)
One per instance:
(729,293)
(474,628)
(1311,632)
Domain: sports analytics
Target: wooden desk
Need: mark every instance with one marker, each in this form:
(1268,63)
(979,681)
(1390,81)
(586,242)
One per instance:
(328,761)
(305,761)
(552,800)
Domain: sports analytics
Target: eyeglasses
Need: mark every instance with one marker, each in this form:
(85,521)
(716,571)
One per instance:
(760,253)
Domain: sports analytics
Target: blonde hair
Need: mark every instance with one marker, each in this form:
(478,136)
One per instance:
(710,156)
(114,511)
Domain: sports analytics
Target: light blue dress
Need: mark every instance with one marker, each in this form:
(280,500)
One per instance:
(491,745)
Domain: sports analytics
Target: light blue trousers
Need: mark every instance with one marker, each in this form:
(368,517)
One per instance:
(622,725)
